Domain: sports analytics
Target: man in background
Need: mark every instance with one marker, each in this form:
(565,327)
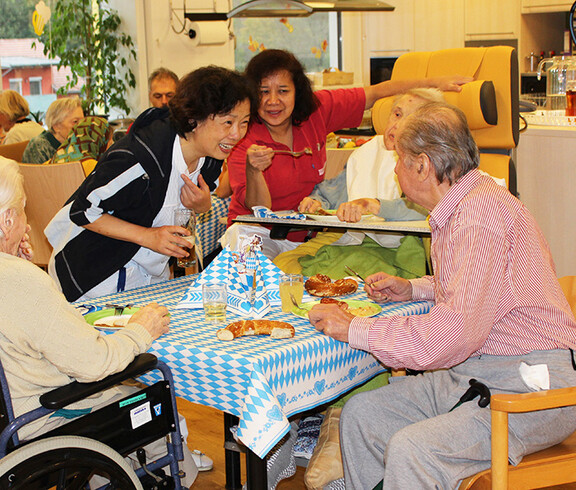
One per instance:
(161,87)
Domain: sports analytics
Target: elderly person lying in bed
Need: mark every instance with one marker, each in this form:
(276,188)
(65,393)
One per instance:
(44,341)
(367,185)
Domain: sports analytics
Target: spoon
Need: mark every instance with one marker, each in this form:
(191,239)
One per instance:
(295,154)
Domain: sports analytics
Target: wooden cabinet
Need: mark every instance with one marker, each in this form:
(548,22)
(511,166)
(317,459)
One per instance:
(535,6)
(546,182)
(492,19)
(438,24)
(389,34)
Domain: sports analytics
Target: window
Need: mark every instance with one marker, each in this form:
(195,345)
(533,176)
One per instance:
(16,85)
(35,85)
(312,39)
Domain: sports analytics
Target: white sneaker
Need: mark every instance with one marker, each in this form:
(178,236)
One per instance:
(203,462)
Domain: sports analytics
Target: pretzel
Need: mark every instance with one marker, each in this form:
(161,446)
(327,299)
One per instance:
(321,285)
(276,329)
(330,301)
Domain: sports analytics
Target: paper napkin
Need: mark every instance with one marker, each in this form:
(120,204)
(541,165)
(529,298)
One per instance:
(239,275)
(264,212)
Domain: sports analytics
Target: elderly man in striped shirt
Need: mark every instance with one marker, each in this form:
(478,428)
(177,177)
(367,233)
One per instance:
(499,316)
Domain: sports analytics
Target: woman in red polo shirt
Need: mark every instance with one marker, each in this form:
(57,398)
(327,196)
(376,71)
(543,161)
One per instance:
(291,117)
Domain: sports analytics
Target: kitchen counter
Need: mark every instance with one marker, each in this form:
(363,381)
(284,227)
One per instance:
(546,169)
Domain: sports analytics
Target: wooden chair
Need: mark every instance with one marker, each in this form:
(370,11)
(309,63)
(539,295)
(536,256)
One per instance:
(14,151)
(549,467)
(47,188)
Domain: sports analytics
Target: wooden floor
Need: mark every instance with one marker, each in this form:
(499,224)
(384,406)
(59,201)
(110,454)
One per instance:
(206,428)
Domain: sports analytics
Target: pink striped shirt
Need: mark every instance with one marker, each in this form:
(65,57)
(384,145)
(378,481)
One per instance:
(495,288)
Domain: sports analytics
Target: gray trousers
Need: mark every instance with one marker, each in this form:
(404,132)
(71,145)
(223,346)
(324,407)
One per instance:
(404,433)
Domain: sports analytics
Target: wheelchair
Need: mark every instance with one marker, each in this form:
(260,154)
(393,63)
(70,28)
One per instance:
(89,451)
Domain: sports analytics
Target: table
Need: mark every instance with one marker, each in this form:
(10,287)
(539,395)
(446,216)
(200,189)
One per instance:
(257,379)
(280,226)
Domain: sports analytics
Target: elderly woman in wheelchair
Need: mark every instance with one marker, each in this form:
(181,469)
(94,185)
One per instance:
(60,376)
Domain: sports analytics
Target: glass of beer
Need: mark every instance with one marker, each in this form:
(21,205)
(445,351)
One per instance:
(291,284)
(214,298)
(187,219)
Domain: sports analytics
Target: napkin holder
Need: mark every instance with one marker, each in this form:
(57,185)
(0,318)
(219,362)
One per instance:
(239,276)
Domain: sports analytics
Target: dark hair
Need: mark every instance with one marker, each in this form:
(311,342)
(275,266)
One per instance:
(162,73)
(272,61)
(440,131)
(207,91)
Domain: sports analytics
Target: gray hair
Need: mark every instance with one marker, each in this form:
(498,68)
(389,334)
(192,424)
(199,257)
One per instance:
(60,109)
(11,186)
(162,73)
(13,105)
(440,131)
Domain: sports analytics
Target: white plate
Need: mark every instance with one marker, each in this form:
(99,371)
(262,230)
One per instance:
(106,319)
(334,219)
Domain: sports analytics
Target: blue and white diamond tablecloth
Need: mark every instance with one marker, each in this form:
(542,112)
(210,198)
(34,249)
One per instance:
(260,380)
(209,229)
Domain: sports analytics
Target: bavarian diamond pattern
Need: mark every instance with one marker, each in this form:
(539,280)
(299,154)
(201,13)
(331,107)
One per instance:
(260,380)
(209,229)
(225,268)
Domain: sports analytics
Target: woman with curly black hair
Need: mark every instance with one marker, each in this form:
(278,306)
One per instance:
(117,232)
(291,117)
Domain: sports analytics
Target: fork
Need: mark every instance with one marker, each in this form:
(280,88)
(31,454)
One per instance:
(352,271)
(118,309)
(294,302)
(295,154)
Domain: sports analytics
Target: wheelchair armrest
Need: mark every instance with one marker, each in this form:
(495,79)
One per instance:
(73,392)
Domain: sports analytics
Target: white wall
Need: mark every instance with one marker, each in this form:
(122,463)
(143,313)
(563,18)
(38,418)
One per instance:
(148,22)
(157,43)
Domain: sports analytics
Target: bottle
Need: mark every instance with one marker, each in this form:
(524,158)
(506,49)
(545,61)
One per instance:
(532,60)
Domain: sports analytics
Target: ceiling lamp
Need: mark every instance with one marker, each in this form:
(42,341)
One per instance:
(271,8)
(292,8)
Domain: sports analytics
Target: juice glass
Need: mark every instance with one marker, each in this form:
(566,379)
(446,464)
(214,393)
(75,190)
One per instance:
(214,299)
(291,284)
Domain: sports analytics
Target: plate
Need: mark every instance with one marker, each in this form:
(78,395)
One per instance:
(370,309)
(334,218)
(107,316)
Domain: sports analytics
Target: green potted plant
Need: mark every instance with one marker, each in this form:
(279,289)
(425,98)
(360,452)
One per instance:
(85,36)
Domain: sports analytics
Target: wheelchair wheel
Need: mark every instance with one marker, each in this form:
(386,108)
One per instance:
(66,462)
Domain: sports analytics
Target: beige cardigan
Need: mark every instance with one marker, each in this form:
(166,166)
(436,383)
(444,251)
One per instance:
(45,342)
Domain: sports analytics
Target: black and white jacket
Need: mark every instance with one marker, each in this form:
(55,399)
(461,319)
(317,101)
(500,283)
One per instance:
(129,182)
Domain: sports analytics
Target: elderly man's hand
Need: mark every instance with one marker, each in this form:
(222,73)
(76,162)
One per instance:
(383,287)
(352,211)
(153,318)
(332,320)
(309,205)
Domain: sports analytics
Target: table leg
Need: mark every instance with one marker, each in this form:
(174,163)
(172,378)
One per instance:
(231,454)
(256,472)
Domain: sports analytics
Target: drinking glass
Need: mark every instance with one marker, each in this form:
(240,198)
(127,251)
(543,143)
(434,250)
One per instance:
(187,219)
(214,298)
(291,284)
